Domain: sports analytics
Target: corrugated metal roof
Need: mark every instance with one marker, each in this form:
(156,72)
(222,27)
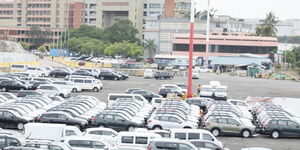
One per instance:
(237,60)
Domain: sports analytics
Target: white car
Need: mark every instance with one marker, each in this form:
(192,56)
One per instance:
(108,134)
(88,84)
(53,90)
(41,72)
(221,92)
(206,91)
(149,73)
(86,143)
(68,85)
(165,121)
(173,86)
(203,69)
(195,74)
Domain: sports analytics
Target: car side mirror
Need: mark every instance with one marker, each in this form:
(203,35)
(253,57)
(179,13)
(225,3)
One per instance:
(238,125)
(123,120)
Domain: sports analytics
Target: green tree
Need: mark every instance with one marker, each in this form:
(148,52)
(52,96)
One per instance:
(267,28)
(149,45)
(86,45)
(290,58)
(296,52)
(120,31)
(125,49)
(25,45)
(86,31)
(42,49)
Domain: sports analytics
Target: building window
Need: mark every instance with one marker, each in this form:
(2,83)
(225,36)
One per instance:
(145,6)
(154,13)
(154,5)
(145,13)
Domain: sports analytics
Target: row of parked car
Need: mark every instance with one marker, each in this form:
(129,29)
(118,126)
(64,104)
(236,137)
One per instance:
(44,71)
(62,137)
(275,121)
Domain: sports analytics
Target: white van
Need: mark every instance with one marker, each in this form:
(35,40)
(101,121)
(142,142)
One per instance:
(18,67)
(195,74)
(88,84)
(112,97)
(69,77)
(40,72)
(193,134)
(206,91)
(221,92)
(55,132)
(136,139)
(149,73)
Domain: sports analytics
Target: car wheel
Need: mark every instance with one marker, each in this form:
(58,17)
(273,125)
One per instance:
(215,132)
(95,89)
(246,133)
(162,78)
(115,78)
(77,126)
(61,95)
(275,134)
(4,89)
(53,76)
(74,90)
(20,126)
(43,75)
(171,77)
(131,128)
(157,128)
(102,78)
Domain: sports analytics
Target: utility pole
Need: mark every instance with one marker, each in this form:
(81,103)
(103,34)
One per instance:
(207,32)
(191,49)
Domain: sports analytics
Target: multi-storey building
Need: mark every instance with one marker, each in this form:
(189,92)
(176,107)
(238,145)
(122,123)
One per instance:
(52,16)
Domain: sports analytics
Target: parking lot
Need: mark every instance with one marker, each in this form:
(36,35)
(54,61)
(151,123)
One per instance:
(239,88)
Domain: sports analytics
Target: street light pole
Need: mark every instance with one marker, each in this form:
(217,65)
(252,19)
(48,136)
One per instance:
(191,49)
(207,32)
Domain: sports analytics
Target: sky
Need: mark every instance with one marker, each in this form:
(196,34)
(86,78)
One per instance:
(250,9)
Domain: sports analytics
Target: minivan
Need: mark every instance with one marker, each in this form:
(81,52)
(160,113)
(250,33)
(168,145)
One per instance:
(149,73)
(18,67)
(192,134)
(136,139)
(88,84)
(114,96)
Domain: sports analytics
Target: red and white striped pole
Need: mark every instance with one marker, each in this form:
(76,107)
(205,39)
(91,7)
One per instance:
(191,49)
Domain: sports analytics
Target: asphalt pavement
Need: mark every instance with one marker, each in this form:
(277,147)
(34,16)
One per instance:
(239,88)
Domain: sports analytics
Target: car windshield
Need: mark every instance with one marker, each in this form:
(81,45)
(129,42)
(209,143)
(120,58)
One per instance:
(206,89)
(221,90)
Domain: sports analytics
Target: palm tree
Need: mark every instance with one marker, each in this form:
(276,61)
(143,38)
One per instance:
(150,46)
(267,28)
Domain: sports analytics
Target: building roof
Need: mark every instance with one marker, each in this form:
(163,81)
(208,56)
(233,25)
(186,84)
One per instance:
(238,61)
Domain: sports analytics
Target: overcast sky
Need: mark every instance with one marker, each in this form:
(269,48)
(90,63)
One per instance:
(283,9)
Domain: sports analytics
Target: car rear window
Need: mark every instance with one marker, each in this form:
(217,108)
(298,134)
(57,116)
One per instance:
(127,139)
